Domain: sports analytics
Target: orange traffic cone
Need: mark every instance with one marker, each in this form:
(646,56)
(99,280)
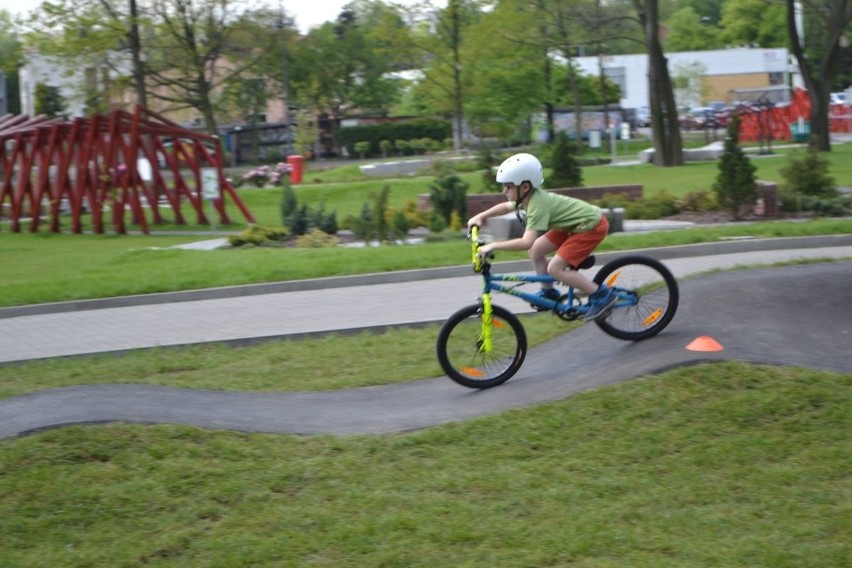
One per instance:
(704,343)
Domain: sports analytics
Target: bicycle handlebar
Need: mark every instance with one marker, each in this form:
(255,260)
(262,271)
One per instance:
(479,261)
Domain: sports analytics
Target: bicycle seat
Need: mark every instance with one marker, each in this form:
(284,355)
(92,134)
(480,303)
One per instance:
(588,263)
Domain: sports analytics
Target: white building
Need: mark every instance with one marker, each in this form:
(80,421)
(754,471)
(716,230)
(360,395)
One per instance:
(72,82)
(723,72)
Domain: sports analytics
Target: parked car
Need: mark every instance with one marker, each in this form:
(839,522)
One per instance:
(643,116)
(839,99)
(699,118)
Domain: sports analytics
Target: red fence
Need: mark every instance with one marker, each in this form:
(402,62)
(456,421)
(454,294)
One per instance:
(93,164)
(775,123)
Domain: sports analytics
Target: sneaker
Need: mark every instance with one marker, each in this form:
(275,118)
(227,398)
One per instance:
(600,302)
(550,294)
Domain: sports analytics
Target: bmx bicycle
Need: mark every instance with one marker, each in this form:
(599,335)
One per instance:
(483,345)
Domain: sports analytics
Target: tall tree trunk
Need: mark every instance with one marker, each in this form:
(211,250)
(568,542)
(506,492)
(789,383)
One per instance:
(136,55)
(458,99)
(548,105)
(837,16)
(578,107)
(668,148)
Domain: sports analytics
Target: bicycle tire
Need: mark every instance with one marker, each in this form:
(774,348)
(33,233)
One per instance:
(459,354)
(657,297)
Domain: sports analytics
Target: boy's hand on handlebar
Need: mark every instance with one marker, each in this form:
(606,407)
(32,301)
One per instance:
(485,251)
(476,220)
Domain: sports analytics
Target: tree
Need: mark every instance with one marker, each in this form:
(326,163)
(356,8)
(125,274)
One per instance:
(189,48)
(347,66)
(441,42)
(668,149)
(558,29)
(689,85)
(754,23)
(48,101)
(735,185)
(89,34)
(566,171)
(507,84)
(826,22)
(687,31)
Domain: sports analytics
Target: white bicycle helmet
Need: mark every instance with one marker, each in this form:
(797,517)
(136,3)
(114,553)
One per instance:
(520,168)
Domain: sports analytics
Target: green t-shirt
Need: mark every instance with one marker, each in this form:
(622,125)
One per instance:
(546,210)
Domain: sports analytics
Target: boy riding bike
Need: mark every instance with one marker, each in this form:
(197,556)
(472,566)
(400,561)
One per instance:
(571,227)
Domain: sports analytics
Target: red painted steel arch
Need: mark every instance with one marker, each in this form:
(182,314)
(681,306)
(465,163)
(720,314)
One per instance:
(93,164)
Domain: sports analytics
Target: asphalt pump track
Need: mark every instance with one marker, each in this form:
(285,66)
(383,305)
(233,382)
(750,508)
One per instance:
(799,315)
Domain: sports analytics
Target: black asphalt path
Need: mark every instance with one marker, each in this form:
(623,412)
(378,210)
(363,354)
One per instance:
(797,315)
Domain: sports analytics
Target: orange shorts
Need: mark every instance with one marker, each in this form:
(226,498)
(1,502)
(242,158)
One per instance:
(574,248)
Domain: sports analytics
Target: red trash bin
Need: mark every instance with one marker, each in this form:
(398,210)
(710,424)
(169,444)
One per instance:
(296,163)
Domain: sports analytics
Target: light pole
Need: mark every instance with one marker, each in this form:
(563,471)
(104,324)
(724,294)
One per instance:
(282,25)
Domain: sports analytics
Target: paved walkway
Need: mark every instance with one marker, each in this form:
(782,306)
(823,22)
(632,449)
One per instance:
(249,313)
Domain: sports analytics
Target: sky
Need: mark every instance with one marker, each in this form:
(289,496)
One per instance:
(307,13)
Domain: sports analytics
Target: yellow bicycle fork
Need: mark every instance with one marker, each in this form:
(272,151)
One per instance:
(487,318)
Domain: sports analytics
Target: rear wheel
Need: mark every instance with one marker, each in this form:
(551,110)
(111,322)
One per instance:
(460,350)
(648,297)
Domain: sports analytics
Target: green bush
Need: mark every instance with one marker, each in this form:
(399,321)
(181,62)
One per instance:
(317,239)
(415,216)
(449,194)
(301,219)
(659,205)
(701,200)
(437,223)
(822,206)
(362,225)
(399,222)
(806,173)
(736,186)
(614,200)
(256,235)
(403,146)
(363,148)
(565,171)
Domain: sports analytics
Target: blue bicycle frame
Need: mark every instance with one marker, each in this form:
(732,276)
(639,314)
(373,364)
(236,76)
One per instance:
(568,308)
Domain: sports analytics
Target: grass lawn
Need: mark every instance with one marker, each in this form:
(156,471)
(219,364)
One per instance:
(347,195)
(46,267)
(724,465)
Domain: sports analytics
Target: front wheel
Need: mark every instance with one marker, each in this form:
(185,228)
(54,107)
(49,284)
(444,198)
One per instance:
(462,354)
(648,296)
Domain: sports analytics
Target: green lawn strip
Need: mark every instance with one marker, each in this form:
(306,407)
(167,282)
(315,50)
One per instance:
(715,465)
(39,268)
(278,365)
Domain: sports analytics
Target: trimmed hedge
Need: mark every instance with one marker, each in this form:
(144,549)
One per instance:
(375,133)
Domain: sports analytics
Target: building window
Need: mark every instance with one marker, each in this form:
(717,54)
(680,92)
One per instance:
(617,75)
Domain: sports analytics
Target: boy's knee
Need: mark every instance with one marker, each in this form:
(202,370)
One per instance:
(554,269)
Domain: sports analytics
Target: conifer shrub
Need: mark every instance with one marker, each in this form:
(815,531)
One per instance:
(735,186)
(565,170)
(448,194)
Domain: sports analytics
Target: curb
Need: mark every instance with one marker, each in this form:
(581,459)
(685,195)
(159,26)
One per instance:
(681,251)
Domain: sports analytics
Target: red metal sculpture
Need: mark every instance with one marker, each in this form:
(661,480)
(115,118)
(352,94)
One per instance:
(93,164)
